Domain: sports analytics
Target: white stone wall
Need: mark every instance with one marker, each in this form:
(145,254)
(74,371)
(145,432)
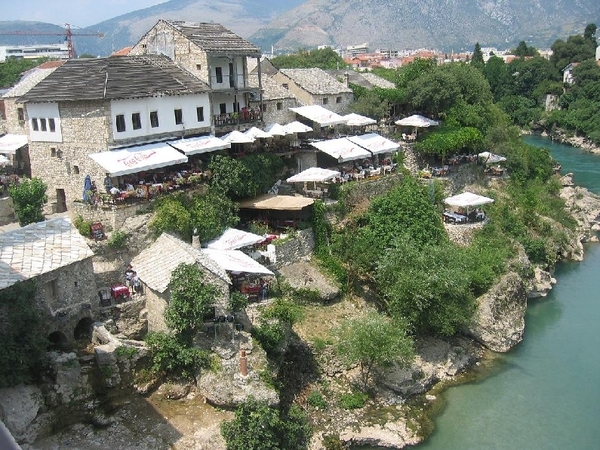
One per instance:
(13,124)
(273,115)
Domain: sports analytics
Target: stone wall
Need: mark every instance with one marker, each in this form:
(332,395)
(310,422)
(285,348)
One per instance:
(273,115)
(356,193)
(112,217)
(7,211)
(13,124)
(292,249)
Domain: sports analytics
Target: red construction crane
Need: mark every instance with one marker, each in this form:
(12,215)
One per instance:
(68,36)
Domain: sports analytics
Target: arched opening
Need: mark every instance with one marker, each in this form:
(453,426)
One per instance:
(57,341)
(83,330)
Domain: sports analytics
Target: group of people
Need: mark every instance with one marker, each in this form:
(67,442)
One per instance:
(132,281)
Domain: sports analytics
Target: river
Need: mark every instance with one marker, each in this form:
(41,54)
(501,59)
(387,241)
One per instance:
(545,393)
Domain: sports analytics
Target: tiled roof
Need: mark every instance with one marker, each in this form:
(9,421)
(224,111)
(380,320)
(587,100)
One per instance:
(155,264)
(272,90)
(215,38)
(32,78)
(316,81)
(39,248)
(364,79)
(378,81)
(115,77)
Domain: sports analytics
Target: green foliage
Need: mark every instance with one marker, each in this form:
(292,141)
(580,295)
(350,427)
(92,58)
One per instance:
(271,336)
(118,239)
(524,50)
(577,48)
(325,58)
(256,426)
(448,141)
(428,285)
(316,400)
(374,341)
(370,104)
(29,198)
(321,227)
(208,214)
(283,311)
(22,335)
(333,442)
(12,69)
(237,301)
(172,356)
(191,300)
(477,58)
(354,400)
(83,226)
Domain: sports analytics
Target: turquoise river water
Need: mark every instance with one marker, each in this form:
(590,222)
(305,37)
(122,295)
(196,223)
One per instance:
(545,393)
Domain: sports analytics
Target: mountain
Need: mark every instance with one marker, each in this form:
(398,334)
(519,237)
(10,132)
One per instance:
(393,24)
(441,24)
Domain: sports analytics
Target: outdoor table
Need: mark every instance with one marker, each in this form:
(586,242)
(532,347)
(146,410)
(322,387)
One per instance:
(452,217)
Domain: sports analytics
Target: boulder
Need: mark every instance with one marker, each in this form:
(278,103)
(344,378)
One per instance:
(390,435)
(19,406)
(499,321)
(541,283)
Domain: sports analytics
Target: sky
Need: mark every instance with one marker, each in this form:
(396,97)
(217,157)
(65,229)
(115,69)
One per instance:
(77,13)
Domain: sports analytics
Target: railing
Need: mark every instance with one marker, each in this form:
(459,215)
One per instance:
(244,116)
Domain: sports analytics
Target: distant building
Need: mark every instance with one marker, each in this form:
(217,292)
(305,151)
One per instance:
(353,50)
(54,51)
(568,73)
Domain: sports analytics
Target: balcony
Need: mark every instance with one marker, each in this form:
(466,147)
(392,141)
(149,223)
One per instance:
(235,118)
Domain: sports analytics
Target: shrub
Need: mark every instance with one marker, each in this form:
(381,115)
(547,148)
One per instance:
(117,239)
(172,357)
(316,400)
(353,400)
(84,227)
(237,301)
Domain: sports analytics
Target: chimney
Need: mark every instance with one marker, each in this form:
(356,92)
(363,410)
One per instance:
(347,78)
(243,363)
(196,240)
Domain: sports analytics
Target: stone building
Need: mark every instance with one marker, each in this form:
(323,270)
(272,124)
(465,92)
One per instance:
(91,106)
(316,87)
(215,55)
(155,265)
(276,101)
(14,142)
(58,259)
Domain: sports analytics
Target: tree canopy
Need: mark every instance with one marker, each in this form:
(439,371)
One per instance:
(325,58)
(29,197)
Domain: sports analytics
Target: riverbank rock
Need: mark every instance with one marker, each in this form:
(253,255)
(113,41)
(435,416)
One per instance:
(499,321)
(305,275)
(584,207)
(541,283)
(390,435)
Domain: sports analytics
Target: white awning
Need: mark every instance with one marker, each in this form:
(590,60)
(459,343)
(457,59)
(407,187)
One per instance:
(233,239)
(375,143)
(255,133)
(276,129)
(467,199)
(313,174)
(198,145)
(342,149)
(9,143)
(320,115)
(296,127)
(237,137)
(416,120)
(356,120)
(137,159)
(236,261)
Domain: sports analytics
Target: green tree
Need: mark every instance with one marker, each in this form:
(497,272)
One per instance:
(477,59)
(12,69)
(371,105)
(257,426)
(171,356)
(22,335)
(191,300)
(374,341)
(29,197)
(325,58)
(576,48)
(524,50)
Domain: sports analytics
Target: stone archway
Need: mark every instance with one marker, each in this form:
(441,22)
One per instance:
(58,341)
(83,330)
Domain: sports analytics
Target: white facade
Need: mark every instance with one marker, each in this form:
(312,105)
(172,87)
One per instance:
(224,103)
(134,118)
(55,51)
(227,73)
(44,122)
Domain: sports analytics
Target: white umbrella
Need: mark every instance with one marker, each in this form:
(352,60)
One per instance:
(4,160)
(491,158)
(237,137)
(297,127)
(313,174)
(255,133)
(356,120)
(418,121)
(276,129)
(467,199)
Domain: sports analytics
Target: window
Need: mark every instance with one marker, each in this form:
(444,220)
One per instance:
(338,99)
(154,119)
(285,85)
(43,125)
(198,66)
(219,74)
(53,152)
(231,84)
(222,108)
(325,100)
(178,116)
(52,125)
(200,113)
(136,121)
(120,122)
(34,124)
(279,106)
(263,107)
(51,289)
(76,170)
(21,114)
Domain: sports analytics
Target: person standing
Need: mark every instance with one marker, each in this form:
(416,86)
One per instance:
(129,273)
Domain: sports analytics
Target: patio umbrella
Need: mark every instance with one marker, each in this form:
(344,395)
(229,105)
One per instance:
(87,187)
(297,127)
(417,121)
(255,133)
(356,120)
(276,129)
(491,158)
(237,137)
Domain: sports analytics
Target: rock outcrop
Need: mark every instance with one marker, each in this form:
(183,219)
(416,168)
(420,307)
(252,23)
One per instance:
(499,321)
